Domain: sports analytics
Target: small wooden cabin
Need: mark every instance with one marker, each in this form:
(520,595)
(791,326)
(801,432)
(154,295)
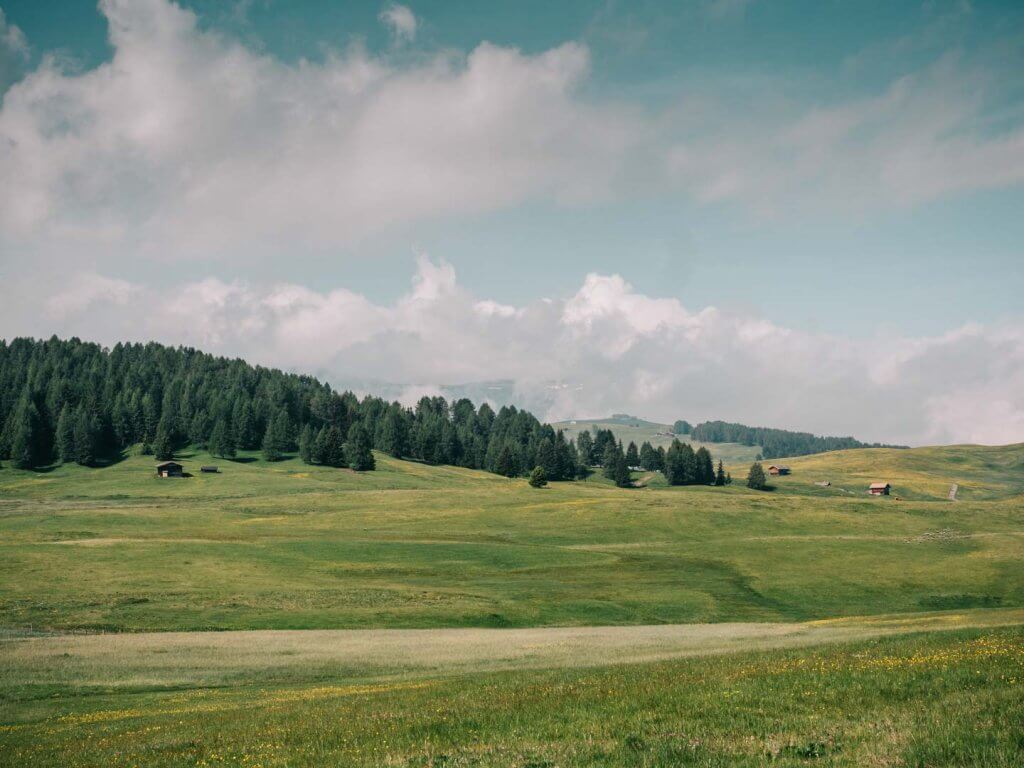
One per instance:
(879,489)
(169,469)
(775,469)
(209,468)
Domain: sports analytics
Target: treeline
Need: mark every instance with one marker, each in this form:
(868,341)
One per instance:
(775,443)
(72,401)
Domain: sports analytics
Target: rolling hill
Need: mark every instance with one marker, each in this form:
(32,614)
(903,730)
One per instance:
(980,472)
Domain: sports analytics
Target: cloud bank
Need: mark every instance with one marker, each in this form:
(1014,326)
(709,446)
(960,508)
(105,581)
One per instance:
(189,152)
(605,348)
(189,143)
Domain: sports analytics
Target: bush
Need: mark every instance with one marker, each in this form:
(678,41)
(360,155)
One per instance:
(538,478)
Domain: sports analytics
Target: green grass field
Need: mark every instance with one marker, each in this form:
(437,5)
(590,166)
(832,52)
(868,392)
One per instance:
(465,619)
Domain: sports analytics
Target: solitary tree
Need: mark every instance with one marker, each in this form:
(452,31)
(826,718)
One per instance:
(538,478)
(756,478)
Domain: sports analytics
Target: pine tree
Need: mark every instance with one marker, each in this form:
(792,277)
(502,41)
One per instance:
(705,467)
(163,442)
(720,474)
(609,459)
(632,455)
(306,440)
(674,464)
(25,437)
(756,478)
(546,458)
(621,474)
(357,449)
(538,478)
(585,447)
(65,435)
(85,438)
(270,448)
(394,433)
(319,451)
(333,448)
(505,463)
(284,431)
(222,441)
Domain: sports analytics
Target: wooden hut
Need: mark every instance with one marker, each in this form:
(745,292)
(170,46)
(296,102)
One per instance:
(775,469)
(169,469)
(879,489)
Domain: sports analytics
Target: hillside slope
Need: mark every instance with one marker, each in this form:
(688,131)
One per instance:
(980,472)
(285,545)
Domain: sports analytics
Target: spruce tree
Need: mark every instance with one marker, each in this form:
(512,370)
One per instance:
(394,433)
(306,440)
(222,442)
(720,474)
(163,442)
(357,449)
(705,467)
(25,440)
(333,448)
(319,452)
(585,447)
(505,464)
(65,436)
(632,455)
(85,438)
(538,478)
(271,447)
(621,474)
(756,478)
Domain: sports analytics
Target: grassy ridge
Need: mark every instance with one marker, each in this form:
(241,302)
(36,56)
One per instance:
(292,546)
(981,472)
(941,699)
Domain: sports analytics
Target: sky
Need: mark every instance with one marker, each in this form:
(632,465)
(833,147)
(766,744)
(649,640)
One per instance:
(807,215)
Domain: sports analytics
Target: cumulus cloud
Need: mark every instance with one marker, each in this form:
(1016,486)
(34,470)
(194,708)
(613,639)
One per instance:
(13,52)
(605,348)
(188,143)
(401,21)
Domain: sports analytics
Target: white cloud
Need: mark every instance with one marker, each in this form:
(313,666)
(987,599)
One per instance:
(606,348)
(401,21)
(13,52)
(190,144)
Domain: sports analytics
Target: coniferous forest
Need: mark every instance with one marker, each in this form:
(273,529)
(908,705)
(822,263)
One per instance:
(775,442)
(77,402)
(73,401)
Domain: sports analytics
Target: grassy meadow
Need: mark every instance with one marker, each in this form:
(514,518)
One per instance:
(284,615)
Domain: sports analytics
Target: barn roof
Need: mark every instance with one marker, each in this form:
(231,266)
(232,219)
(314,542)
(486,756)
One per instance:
(880,485)
(168,464)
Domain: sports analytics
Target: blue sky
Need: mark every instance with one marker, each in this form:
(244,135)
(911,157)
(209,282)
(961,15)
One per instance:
(850,174)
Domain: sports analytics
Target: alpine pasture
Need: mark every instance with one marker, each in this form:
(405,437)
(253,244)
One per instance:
(463,618)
